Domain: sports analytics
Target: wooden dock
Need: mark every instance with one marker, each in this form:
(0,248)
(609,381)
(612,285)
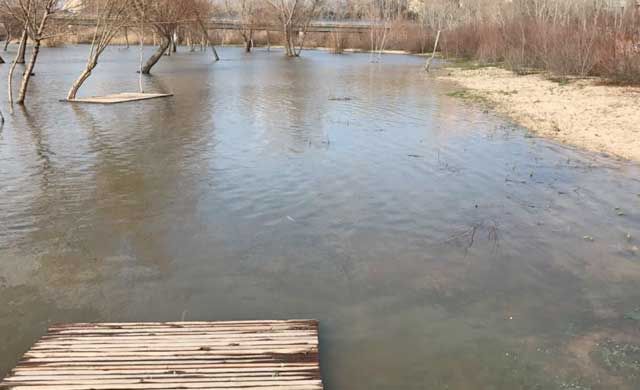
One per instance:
(123,97)
(247,355)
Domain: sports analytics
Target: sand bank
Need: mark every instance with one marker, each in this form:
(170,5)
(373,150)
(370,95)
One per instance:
(581,112)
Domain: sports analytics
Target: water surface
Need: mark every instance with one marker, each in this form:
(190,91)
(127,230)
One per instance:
(440,246)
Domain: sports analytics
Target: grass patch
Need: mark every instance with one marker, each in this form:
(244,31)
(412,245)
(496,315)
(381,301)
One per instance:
(560,80)
(466,64)
(619,358)
(508,93)
(470,96)
(521,71)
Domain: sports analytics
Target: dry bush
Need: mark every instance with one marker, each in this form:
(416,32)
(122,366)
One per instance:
(619,54)
(361,42)
(410,37)
(461,42)
(579,40)
(337,42)
(490,41)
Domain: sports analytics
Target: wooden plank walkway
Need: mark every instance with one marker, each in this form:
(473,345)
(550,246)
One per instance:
(247,355)
(123,97)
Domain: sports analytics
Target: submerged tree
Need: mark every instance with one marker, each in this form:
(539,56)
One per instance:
(381,15)
(34,15)
(18,59)
(247,13)
(203,10)
(12,27)
(111,17)
(164,17)
(294,16)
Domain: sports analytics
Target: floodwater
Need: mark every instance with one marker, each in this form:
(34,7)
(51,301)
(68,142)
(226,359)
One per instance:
(440,246)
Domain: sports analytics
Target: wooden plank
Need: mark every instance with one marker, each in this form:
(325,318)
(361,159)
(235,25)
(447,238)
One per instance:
(187,346)
(266,374)
(106,343)
(159,369)
(172,329)
(118,98)
(258,355)
(302,385)
(183,324)
(124,337)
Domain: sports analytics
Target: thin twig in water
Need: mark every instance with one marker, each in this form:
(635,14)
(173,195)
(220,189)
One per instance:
(467,237)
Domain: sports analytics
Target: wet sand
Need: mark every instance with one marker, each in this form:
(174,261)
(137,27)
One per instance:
(581,112)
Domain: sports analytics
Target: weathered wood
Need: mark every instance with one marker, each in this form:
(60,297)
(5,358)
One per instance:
(427,66)
(112,99)
(258,355)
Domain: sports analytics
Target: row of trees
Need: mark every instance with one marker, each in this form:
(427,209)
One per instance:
(581,37)
(36,21)
(564,37)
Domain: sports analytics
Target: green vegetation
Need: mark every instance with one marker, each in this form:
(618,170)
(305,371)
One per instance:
(469,64)
(470,96)
(633,315)
(619,358)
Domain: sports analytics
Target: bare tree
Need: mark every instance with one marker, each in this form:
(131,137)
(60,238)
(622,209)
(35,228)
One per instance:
(381,15)
(294,16)
(22,47)
(159,14)
(34,14)
(203,9)
(19,56)
(246,11)
(337,10)
(164,17)
(11,25)
(111,17)
(14,24)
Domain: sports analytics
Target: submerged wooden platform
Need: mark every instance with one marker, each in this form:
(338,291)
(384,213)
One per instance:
(247,355)
(123,97)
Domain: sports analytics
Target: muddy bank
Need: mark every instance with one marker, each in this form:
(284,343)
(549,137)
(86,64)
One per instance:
(577,112)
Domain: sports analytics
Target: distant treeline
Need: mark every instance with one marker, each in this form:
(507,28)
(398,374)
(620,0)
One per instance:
(564,37)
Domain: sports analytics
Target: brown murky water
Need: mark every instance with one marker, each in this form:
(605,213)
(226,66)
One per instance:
(439,246)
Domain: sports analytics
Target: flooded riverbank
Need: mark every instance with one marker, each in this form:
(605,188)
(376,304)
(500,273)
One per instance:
(580,112)
(438,245)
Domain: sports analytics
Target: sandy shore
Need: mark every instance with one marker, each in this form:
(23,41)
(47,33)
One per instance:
(581,112)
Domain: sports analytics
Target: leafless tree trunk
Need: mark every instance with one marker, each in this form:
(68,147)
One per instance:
(126,36)
(37,36)
(155,57)
(435,48)
(268,41)
(8,40)
(294,17)
(26,77)
(288,40)
(381,15)
(93,62)
(142,10)
(112,16)
(13,68)
(22,47)
(246,11)
(205,35)
(190,42)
